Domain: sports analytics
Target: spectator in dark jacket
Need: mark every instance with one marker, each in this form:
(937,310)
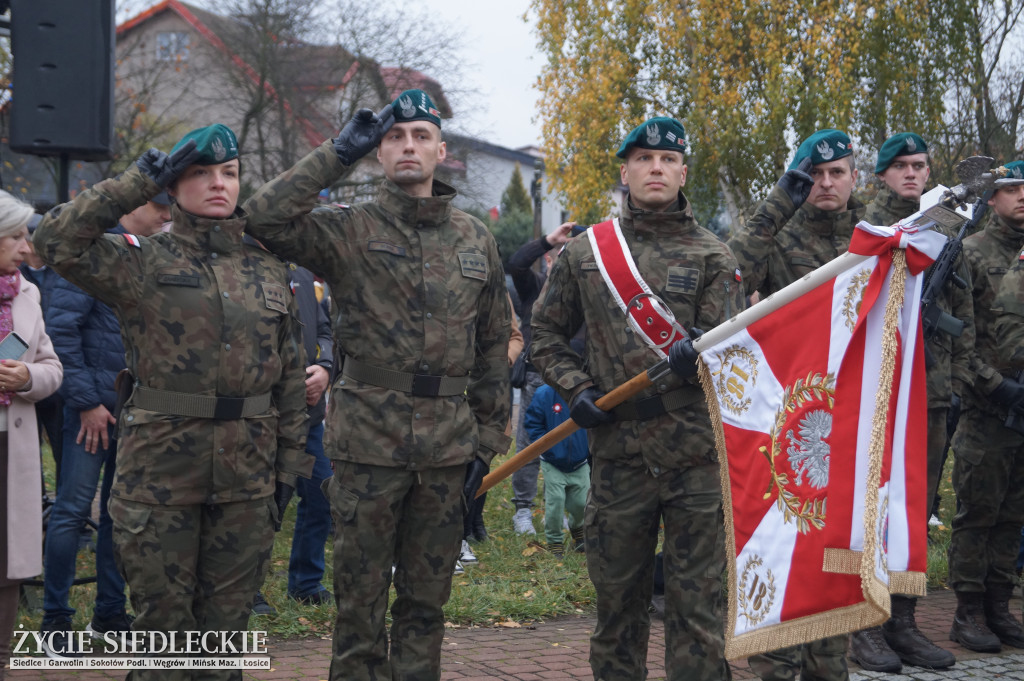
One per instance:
(87,338)
(528,284)
(565,468)
(50,410)
(313,515)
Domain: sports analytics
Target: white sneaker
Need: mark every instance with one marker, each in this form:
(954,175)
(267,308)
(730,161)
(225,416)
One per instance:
(467,553)
(459,570)
(523,521)
(934,522)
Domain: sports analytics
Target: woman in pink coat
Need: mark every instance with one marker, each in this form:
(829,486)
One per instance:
(35,374)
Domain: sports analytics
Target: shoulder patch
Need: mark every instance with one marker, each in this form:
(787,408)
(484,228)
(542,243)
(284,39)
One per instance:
(683,280)
(474,265)
(132,240)
(589,266)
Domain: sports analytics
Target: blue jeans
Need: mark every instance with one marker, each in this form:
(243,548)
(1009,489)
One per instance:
(312,522)
(79,475)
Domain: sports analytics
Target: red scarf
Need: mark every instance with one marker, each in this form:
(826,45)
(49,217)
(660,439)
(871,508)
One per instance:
(10,284)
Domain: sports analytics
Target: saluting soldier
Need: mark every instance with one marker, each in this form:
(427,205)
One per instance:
(988,472)
(422,398)
(902,169)
(215,425)
(806,221)
(654,458)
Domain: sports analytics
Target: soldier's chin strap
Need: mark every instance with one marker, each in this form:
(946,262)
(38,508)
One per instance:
(648,316)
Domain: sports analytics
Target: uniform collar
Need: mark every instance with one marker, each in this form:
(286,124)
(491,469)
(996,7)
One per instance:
(1004,233)
(830,222)
(894,203)
(677,219)
(209,234)
(414,210)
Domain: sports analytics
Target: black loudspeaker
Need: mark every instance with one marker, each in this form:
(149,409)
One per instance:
(62,100)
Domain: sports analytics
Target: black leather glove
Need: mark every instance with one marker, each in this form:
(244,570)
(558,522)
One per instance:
(283,493)
(362,133)
(164,169)
(797,182)
(682,358)
(952,415)
(585,412)
(475,472)
(1009,393)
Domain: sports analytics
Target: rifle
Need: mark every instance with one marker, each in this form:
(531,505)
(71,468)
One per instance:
(933,318)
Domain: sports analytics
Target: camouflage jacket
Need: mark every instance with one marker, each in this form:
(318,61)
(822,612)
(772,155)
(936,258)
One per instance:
(888,207)
(417,287)
(779,244)
(1008,313)
(951,370)
(990,253)
(693,273)
(200,313)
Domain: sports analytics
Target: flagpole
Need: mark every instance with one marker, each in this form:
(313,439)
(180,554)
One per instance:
(641,382)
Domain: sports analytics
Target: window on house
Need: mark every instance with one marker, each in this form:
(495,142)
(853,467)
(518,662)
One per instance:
(172,46)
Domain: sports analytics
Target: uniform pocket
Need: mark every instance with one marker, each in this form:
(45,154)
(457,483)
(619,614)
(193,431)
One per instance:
(128,517)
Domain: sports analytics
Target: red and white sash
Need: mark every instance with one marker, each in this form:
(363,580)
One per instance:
(649,317)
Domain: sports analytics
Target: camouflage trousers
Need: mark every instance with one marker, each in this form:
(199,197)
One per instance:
(988,478)
(192,568)
(936,454)
(822,660)
(411,520)
(626,506)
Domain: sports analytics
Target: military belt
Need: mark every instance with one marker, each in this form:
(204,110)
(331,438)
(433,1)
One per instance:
(200,406)
(417,385)
(656,405)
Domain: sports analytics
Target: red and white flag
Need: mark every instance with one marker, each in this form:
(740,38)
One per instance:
(792,397)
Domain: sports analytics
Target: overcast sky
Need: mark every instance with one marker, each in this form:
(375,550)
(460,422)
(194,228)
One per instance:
(503,65)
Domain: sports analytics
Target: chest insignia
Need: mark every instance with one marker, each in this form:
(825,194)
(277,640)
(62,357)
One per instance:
(275,298)
(683,280)
(474,265)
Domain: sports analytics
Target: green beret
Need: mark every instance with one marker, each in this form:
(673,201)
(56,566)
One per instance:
(215,144)
(415,105)
(822,147)
(1014,175)
(660,132)
(903,144)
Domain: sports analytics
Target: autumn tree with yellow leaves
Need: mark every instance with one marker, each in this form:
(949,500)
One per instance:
(748,79)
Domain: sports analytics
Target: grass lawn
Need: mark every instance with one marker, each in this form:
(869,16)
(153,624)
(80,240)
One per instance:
(514,581)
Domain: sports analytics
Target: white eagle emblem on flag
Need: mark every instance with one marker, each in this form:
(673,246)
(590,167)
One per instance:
(809,453)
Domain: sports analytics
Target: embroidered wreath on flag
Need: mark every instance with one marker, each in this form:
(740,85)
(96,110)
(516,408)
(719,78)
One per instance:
(755,602)
(806,513)
(854,296)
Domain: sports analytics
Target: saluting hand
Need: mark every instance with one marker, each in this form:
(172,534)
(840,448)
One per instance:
(362,133)
(164,169)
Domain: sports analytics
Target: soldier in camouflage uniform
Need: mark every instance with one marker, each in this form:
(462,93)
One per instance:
(422,400)
(216,420)
(654,457)
(988,471)
(806,221)
(903,170)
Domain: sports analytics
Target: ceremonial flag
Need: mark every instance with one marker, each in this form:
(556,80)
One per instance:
(792,393)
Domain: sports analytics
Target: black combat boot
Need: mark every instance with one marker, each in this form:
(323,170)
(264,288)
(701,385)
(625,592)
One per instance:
(997,614)
(969,628)
(869,649)
(907,641)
